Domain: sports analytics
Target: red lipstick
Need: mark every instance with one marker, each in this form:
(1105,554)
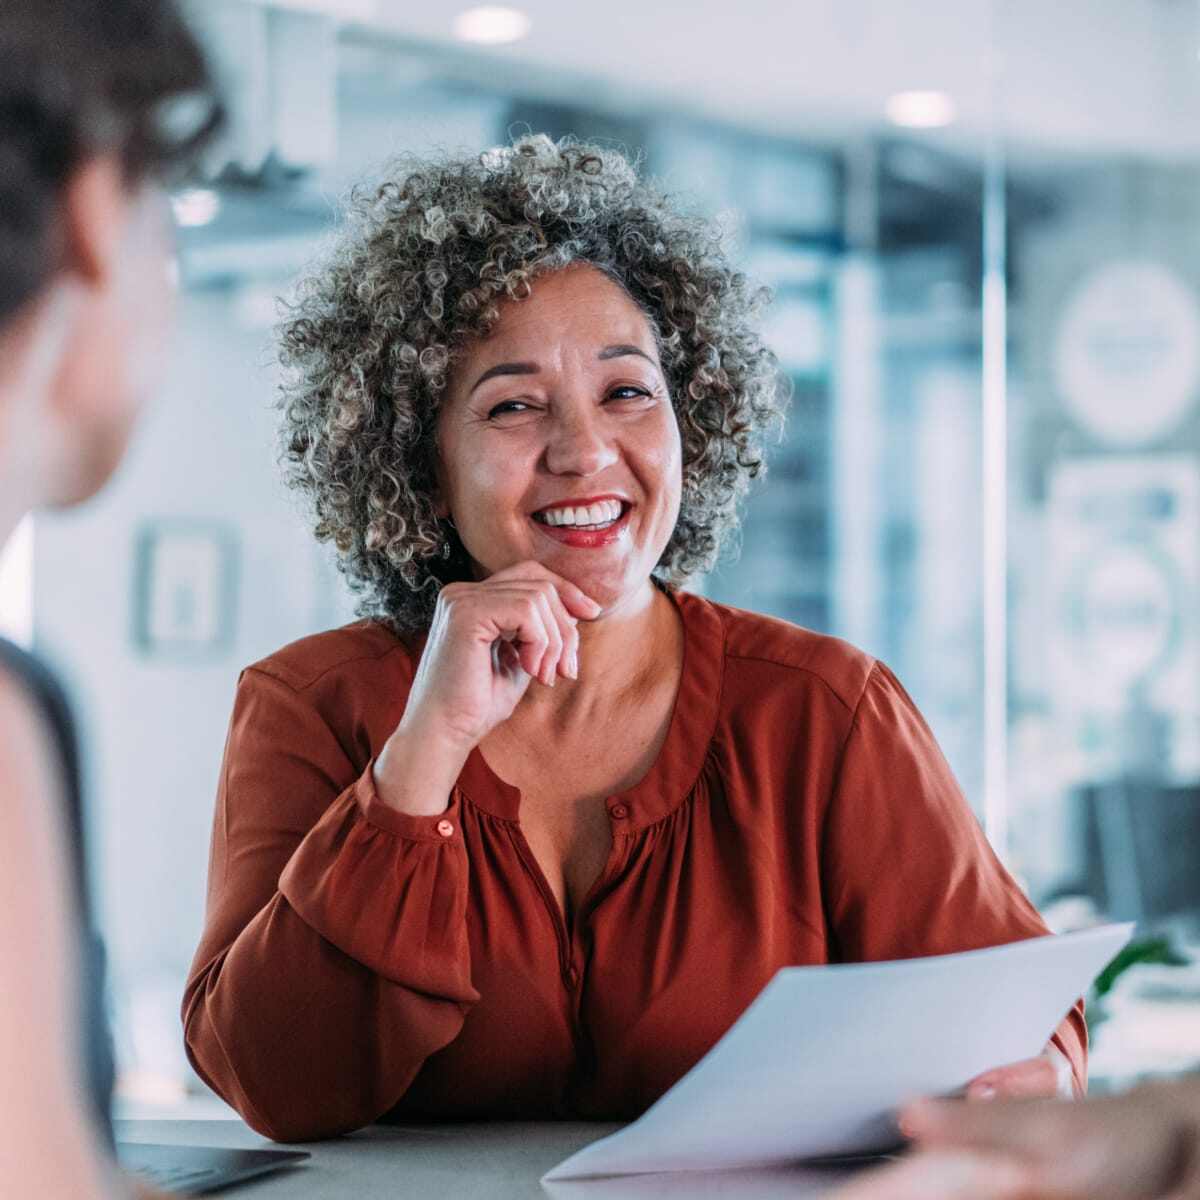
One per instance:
(587,539)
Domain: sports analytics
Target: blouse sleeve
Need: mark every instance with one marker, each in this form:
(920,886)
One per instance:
(334,958)
(908,871)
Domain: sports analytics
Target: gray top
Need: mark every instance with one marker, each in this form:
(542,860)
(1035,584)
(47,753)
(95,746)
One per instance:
(502,1160)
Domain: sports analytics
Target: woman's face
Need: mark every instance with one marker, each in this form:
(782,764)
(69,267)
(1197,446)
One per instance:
(116,352)
(558,442)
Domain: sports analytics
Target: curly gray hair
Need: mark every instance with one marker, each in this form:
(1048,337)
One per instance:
(427,258)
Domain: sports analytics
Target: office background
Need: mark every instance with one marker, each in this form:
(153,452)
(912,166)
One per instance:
(981,222)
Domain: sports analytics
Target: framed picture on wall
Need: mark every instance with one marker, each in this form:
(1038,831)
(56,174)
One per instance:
(185,588)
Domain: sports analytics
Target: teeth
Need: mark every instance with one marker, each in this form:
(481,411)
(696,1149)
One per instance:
(601,513)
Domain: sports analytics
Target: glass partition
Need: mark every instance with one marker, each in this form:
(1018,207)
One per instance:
(1104,497)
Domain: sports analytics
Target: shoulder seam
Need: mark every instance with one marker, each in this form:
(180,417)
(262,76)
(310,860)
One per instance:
(266,667)
(786,666)
(875,665)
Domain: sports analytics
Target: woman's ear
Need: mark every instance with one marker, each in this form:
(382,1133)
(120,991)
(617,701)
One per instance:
(93,210)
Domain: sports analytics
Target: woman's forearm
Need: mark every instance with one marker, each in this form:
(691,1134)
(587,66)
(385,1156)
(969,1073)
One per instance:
(312,1016)
(300,1038)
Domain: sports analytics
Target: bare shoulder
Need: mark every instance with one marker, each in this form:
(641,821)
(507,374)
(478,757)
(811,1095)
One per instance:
(31,818)
(26,761)
(771,649)
(43,1122)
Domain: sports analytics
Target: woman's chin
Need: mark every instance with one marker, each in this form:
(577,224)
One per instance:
(611,589)
(608,578)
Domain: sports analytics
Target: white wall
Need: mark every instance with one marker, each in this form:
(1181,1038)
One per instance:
(154,727)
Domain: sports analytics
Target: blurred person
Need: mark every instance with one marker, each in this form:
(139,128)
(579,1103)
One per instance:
(1143,1145)
(97,103)
(527,839)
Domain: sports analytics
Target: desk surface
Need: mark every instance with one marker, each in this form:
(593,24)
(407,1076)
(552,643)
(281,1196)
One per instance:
(492,1161)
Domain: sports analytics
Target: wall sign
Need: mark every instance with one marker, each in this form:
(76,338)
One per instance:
(185,588)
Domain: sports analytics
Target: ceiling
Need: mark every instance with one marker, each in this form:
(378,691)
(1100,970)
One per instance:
(1069,82)
(1065,76)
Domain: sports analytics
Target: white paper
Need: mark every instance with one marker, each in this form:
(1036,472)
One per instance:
(818,1063)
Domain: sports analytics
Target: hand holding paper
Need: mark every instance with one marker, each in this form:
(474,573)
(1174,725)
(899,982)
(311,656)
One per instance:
(776,1088)
(1048,1076)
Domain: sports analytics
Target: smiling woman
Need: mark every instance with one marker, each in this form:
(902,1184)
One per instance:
(561,408)
(527,839)
(426,263)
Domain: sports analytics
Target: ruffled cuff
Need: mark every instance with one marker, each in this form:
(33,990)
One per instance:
(389,889)
(1071,1038)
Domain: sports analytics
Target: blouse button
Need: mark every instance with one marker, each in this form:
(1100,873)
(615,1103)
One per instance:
(619,811)
(445,828)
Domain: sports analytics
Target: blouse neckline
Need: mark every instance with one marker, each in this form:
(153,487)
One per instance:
(673,774)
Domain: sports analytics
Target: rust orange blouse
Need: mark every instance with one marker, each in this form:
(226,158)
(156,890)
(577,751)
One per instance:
(359,964)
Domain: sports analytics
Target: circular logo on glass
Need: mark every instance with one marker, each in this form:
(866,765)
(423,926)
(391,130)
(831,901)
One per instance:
(1127,352)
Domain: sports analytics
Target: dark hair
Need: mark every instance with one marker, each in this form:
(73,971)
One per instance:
(79,77)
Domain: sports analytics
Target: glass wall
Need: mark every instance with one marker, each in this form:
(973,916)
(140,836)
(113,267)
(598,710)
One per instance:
(1104,508)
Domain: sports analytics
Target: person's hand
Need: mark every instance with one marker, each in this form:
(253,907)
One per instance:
(1141,1146)
(944,1175)
(1049,1075)
(487,642)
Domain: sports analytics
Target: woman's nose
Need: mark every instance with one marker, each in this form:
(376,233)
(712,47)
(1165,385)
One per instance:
(579,445)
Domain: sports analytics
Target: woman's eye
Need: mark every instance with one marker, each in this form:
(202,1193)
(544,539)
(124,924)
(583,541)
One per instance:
(627,392)
(508,406)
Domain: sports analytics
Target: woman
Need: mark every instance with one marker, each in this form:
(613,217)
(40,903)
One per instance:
(526,840)
(1144,1145)
(98,103)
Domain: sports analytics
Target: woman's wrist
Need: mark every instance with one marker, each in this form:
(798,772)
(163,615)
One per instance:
(415,772)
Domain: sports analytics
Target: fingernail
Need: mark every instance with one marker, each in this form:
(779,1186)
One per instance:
(982,1091)
(907,1130)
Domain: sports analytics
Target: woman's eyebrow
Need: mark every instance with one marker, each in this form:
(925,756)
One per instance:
(528,368)
(623,349)
(513,368)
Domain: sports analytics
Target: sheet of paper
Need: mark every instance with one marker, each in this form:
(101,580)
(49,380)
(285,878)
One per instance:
(818,1063)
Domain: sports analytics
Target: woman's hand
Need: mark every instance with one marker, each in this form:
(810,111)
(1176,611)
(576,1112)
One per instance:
(487,642)
(1047,1076)
(1144,1145)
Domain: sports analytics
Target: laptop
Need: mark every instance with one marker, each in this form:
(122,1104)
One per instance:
(196,1170)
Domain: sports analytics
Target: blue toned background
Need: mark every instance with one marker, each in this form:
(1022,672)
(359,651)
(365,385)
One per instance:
(981,223)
